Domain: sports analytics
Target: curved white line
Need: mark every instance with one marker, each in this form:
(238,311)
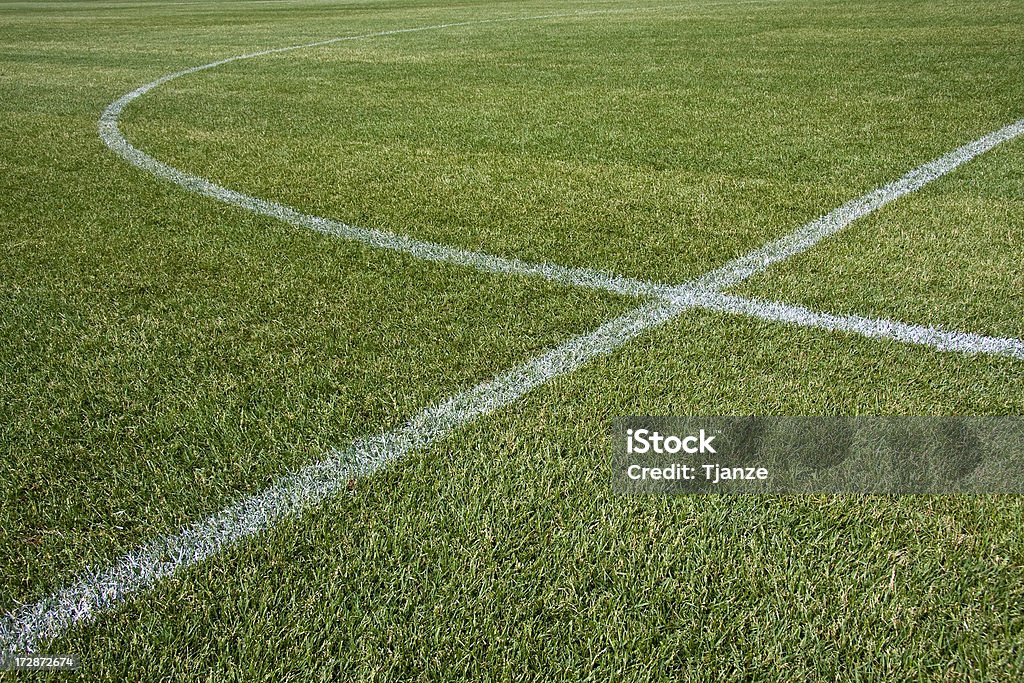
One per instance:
(112,136)
(730,274)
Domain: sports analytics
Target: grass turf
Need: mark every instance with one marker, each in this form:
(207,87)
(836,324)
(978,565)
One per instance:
(949,255)
(164,354)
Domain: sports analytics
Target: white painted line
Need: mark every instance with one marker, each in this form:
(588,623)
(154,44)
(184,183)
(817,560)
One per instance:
(728,275)
(24,628)
(810,234)
(112,136)
(421,249)
(877,328)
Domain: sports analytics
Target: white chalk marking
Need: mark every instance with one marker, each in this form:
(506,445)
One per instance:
(728,275)
(810,234)
(112,136)
(24,628)
(877,328)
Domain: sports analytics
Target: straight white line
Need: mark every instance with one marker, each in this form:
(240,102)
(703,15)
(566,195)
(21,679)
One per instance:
(24,628)
(810,234)
(877,328)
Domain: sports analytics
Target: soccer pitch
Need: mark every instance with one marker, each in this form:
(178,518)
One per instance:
(316,316)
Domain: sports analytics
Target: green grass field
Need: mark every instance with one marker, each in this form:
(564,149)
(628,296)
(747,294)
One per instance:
(164,354)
